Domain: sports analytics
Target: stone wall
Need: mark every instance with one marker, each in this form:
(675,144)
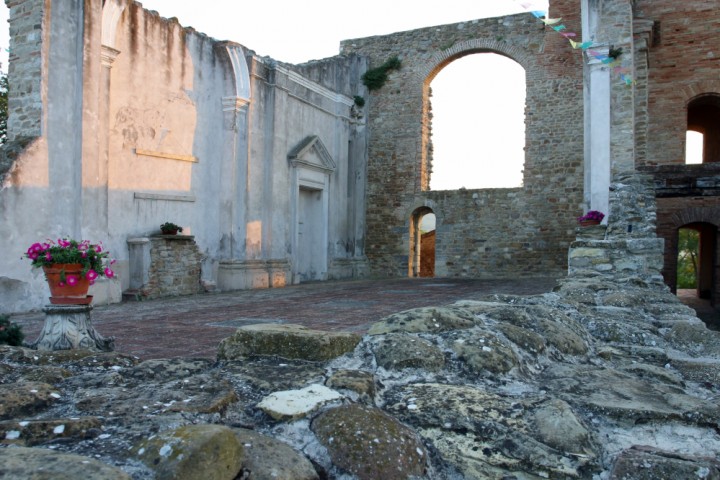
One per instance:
(627,249)
(165,266)
(25,64)
(487,233)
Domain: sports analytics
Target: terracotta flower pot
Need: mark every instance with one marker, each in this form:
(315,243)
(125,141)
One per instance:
(587,223)
(73,290)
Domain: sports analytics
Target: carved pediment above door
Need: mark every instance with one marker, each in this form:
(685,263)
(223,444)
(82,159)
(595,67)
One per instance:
(312,154)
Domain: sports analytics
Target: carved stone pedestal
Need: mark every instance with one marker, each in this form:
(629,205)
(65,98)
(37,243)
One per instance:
(69,327)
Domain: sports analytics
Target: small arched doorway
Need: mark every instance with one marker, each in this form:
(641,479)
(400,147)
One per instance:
(697,259)
(422,243)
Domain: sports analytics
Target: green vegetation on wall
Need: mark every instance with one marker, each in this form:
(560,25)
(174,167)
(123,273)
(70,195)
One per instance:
(375,78)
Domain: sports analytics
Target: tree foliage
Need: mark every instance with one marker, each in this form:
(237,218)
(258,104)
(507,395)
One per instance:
(687,263)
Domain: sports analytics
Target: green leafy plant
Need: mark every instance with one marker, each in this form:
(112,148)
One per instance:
(10,333)
(92,257)
(359,101)
(687,261)
(170,228)
(375,78)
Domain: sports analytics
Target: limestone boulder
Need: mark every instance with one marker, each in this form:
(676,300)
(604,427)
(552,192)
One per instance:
(268,374)
(624,396)
(396,351)
(294,404)
(427,319)
(552,324)
(266,458)
(21,463)
(529,341)
(370,444)
(486,435)
(286,341)
(695,339)
(25,398)
(644,463)
(615,325)
(360,382)
(482,352)
(98,394)
(35,432)
(557,425)
(192,452)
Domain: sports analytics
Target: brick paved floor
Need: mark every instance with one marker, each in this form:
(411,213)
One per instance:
(192,326)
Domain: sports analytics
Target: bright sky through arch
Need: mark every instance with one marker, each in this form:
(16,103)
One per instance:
(478,129)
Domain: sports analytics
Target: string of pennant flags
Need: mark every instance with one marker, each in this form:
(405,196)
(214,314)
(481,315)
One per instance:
(610,59)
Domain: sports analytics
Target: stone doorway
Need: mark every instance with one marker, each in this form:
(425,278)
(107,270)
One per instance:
(421,260)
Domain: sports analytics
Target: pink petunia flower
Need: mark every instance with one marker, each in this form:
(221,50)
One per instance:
(61,284)
(72,280)
(91,275)
(48,257)
(109,273)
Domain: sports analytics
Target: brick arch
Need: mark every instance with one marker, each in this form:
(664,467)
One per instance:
(468,47)
(690,92)
(696,215)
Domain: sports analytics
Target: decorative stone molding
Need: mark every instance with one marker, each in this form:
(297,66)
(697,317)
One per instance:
(69,327)
(234,104)
(112,11)
(311,153)
(164,197)
(108,55)
(240,70)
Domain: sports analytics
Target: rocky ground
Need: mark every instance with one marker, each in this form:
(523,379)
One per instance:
(595,380)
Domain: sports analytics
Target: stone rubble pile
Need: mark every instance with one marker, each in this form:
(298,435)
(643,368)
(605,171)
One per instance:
(595,380)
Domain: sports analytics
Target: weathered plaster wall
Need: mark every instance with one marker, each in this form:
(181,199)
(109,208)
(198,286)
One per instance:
(486,233)
(135,121)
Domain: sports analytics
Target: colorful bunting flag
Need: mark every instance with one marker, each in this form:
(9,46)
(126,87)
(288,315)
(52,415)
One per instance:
(612,62)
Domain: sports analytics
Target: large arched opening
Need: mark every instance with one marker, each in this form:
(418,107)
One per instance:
(477,118)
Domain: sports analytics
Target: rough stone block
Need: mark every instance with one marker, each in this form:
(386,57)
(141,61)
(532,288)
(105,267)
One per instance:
(287,341)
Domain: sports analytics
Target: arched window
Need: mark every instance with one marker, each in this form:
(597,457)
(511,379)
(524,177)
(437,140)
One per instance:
(703,124)
(478,123)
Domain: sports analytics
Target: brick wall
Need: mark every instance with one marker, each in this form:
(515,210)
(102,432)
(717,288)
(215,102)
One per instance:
(683,58)
(683,62)
(481,233)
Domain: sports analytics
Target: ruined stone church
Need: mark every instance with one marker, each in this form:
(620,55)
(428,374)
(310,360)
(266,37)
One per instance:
(121,120)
